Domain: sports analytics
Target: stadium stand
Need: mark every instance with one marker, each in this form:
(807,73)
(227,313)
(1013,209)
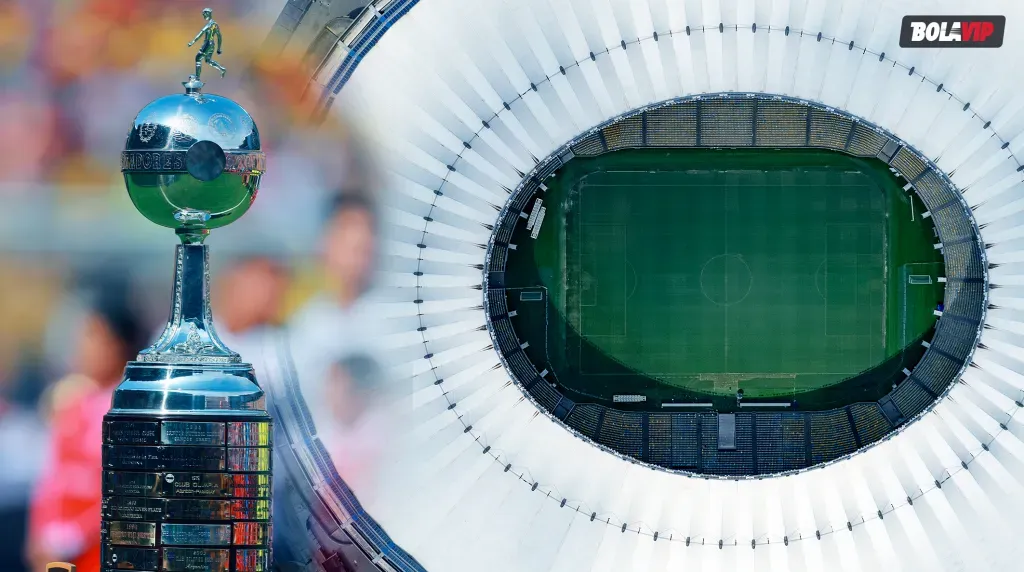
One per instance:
(673,441)
(496,303)
(965,300)
(831,435)
(951,223)
(583,418)
(829,130)
(955,337)
(934,370)
(685,440)
(498,256)
(871,424)
(963,260)
(625,134)
(866,142)
(780,442)
(765,442)
(735,462)
(505,233)
(522,369)
(506,336)
(672,126)
(726,123)
(660,439)
(519,200)
(545,395)
(781,124)
(589,146)
(910,398)
(908,164)
(934,192)
(622,431)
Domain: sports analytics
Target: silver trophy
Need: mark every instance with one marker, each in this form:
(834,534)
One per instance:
(186,444)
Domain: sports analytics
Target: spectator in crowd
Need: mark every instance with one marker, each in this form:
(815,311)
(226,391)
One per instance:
(341,316)
(248,299)
(64,520)
(355,437)
(349,251)
(22,442)
(332,346)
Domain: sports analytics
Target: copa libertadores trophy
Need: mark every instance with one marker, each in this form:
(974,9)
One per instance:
(186,444)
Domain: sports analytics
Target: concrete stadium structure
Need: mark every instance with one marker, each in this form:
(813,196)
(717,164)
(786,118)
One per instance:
(465,99)
(786,442)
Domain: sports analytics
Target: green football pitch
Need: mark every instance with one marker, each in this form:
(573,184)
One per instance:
(688,274)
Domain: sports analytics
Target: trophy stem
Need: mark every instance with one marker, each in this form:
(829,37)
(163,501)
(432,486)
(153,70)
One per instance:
(190,337)
(192,235)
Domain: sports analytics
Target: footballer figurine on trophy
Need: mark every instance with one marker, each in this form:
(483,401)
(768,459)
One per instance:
(209,33)
(186,443)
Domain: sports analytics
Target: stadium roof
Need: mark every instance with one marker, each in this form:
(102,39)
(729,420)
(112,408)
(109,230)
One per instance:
(464,97)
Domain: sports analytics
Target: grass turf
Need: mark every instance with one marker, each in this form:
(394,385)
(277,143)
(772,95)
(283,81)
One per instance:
(687,274)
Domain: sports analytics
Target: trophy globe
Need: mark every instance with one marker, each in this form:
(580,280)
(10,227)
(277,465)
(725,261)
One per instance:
(192,161)
(186,443)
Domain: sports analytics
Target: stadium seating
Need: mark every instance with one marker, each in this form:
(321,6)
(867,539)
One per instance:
(583,418)
(505,335)
(508,224)
(866,142)
(963,260)
(519,200)
(829,130)
(737,462)
(908,164)
(498,256)
(781,124)
(955,337)
(622,431)
(672,126)
(911,398)
(831,435)
(685,440)
(589,146)
(672,440)
(951,223)
(496,302)
(934,191)
(935,370)
(871,424)
(522,369)
(727,123)
(660,439)
(625,134)
(546,396)
(965,300)
(780,442)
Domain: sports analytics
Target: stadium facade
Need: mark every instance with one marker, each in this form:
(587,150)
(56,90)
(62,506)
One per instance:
(474,103)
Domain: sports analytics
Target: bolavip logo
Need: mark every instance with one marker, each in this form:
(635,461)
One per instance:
(952,31)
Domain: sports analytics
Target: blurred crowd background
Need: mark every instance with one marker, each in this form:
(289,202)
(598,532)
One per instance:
(85,281)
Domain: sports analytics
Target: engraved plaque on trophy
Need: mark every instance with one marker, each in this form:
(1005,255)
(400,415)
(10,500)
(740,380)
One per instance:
(186,443)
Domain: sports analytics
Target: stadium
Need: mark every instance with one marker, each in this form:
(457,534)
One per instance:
(843,310)
(686,285)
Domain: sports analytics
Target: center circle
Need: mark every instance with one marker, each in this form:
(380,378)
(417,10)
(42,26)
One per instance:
(725,279)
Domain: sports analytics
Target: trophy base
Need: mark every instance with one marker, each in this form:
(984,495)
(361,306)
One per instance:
(182,492)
